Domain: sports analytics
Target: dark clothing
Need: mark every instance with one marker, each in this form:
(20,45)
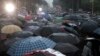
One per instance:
(95,47)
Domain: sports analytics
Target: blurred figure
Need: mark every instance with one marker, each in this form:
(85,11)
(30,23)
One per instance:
(6,36)
(90,30)
(29,17)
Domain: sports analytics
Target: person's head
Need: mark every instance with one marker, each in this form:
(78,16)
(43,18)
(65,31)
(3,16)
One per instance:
(66,22)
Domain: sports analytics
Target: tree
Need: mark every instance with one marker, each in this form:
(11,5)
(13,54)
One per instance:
(76,4)
(31,4)
(66,4)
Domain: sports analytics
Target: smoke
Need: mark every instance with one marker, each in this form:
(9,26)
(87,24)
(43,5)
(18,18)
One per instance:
(50,2)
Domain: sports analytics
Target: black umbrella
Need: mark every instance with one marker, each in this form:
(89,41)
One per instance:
(4,21)
(32,24)
(64,38)
(23,34)
(88,27)
(72,17)
(96,33)
(46,31)
(9,42)
(71,30)
(31,28)
(66,48)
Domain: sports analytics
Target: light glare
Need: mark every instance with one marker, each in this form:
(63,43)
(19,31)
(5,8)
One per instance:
(9,7)
(40,9)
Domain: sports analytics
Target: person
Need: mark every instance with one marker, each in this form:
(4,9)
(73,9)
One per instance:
(6,37)
(70,23)
(87,29)
(70,27)
(3,47)
(29,17)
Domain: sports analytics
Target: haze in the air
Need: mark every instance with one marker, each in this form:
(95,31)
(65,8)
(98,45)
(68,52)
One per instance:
(50,2)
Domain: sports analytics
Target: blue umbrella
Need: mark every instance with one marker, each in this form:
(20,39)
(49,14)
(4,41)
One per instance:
(30,44)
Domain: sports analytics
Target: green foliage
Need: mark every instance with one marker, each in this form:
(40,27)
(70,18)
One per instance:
(84,4)
(31,4)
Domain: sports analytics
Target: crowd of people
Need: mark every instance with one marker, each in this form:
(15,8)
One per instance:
(72,34)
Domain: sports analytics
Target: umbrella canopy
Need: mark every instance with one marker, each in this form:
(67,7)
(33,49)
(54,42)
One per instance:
(58,20)
(72,17)
(96,33)
(11,41)
(88,27)
(31,28)
(47,30)
(71,30)
(9,29)
(23,34)
(32,24)
(13,21)
(4,22)
(66,48)
(64,38)
(27,45)
(16,22)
